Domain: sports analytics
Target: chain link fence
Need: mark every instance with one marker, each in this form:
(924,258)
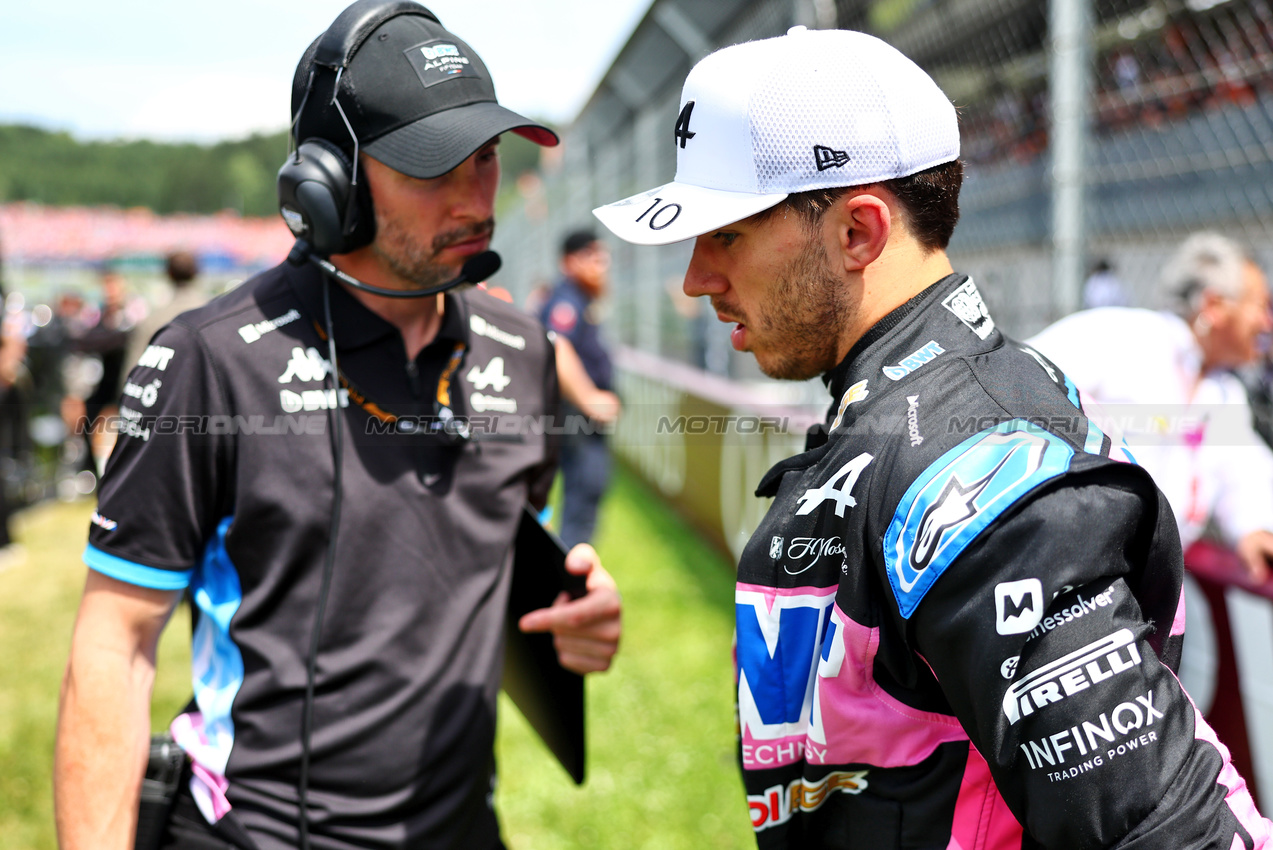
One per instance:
(1096,133)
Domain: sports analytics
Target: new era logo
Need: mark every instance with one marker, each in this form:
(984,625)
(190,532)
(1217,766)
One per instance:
(825,157)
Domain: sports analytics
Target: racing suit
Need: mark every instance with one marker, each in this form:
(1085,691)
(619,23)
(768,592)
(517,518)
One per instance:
(959,620)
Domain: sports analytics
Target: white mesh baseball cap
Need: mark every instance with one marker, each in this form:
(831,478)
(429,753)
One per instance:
(812,109)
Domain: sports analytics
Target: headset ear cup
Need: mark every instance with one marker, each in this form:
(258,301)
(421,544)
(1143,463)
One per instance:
(361,229)
(314,193)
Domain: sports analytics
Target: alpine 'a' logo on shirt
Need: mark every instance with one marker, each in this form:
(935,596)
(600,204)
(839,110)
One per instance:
(838,489)
(492,376)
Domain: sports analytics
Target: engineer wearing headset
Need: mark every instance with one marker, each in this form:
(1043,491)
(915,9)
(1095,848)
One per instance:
(308,458)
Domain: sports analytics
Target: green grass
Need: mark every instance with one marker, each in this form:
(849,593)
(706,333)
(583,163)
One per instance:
(661,764)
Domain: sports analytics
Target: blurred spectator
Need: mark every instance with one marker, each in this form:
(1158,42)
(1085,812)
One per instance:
(586,377)
(182,268)
(1103,288)
(15,395)
(94,380)
(1164,378)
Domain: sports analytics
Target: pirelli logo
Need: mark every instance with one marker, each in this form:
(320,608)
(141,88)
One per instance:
(1078,671)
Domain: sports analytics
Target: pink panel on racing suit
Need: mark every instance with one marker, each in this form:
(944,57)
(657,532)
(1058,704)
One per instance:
(982,819)
(862,723)
(1238,798)
(1178,625)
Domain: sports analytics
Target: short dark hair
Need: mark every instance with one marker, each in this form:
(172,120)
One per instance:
(182,266)
(578,240)
(929,201)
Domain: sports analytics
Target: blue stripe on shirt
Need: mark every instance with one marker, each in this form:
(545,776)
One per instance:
(133,573)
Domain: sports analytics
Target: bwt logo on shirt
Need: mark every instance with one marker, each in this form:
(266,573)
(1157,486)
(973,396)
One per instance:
(909,364)
(1072,673)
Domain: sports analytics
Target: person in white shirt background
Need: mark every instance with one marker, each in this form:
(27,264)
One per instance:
(1164,379)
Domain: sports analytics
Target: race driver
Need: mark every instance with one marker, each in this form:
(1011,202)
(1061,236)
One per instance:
(957,624)
(224,482)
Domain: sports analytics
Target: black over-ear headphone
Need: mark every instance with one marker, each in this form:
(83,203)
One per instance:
(325,205)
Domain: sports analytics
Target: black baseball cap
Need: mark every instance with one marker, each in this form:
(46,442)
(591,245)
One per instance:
(418,99)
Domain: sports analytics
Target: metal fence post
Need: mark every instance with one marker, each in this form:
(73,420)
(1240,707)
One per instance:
(1070,88)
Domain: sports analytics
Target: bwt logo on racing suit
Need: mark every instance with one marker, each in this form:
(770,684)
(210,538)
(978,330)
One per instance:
(778,804)
(1072,673)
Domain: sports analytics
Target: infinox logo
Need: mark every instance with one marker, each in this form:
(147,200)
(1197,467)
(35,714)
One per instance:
(1072,673)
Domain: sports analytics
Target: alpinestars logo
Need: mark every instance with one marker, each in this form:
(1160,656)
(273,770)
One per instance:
(840,493)
(825,157)
(953,507)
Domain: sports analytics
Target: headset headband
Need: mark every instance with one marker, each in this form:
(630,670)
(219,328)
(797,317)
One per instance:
(356,24)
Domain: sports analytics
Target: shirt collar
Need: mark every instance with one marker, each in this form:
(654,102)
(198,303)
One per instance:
(939,314)
(353,325)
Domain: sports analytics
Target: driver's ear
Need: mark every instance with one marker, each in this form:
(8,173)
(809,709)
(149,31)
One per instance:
(863,223)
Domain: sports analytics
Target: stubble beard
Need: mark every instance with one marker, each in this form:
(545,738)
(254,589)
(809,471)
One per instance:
(804,313)
(413,261)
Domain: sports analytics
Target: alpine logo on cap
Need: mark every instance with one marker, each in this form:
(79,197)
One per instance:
(436,61)
(825,157)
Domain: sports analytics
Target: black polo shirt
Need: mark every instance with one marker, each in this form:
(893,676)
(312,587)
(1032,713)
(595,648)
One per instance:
(222,481)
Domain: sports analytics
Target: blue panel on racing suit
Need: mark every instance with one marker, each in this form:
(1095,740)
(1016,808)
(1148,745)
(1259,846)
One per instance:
(960,494)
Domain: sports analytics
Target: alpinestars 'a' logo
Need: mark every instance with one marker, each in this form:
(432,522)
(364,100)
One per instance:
(952,508)
(825,157)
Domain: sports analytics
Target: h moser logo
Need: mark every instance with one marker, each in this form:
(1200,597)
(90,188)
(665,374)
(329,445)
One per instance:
(1018,606)
(1078,671)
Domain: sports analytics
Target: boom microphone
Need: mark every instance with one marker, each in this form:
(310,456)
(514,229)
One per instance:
(475,270)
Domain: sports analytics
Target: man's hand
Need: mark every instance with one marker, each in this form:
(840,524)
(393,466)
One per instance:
(585,630)
(1255,550)
(601,406)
